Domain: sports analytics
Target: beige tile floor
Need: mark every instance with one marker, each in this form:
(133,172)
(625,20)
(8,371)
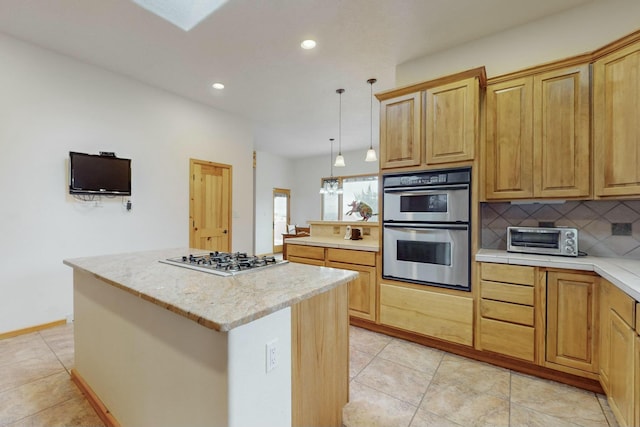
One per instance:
(35,387)
(393,383)
(398,383)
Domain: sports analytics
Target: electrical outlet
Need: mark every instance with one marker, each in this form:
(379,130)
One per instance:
(272,355)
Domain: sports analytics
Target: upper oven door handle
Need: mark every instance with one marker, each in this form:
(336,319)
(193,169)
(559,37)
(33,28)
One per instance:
(431,189)
(423,227)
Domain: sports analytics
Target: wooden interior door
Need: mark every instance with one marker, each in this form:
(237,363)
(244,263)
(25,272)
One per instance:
(210,206)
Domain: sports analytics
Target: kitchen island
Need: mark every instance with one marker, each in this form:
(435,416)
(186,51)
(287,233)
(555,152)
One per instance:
(157,344)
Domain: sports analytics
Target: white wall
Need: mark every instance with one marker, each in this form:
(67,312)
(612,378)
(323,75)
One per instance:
(51,104)
(305,196)
(573,32)
(271,172)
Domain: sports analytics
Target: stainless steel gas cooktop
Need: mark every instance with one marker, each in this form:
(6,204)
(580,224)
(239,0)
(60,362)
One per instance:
(224,263)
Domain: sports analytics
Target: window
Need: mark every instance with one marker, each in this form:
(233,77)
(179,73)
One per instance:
(358,189)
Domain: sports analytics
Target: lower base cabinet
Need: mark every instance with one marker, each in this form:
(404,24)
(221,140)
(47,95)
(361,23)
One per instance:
(444,316)
(637,376)
(572,323)
(362,291)
(506,310)
(621,366)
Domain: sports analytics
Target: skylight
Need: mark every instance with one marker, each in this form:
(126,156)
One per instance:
(184,14)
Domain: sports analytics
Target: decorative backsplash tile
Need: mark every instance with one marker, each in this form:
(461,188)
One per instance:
(603,225)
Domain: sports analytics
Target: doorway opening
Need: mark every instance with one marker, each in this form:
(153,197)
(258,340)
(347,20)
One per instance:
(281,216)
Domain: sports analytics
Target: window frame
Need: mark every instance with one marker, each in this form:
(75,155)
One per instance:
(341,179)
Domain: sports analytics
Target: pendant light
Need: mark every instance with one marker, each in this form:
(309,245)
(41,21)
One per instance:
(331,185)
(371,153)
(339,159)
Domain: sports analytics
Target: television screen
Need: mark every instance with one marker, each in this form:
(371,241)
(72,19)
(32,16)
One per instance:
(94,174)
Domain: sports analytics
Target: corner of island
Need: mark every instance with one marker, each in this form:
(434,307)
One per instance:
(158,345)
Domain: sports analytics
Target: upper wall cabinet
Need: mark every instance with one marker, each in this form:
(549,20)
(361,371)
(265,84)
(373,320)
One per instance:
(400,134)
(452,113)
(537,136)
(431,123)
(616,127)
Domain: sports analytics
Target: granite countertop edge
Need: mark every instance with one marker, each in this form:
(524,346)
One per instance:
(190,293)
(622,272)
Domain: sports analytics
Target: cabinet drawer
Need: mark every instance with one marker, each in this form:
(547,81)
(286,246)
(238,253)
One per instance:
(507,312)
(517,294)
(508,273)
(352,256)
(314,252)
(507,338)
(309,261)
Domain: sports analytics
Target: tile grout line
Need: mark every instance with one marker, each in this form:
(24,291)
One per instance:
(426,390)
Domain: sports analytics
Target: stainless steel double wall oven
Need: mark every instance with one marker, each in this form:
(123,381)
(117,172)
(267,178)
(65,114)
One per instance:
(426,229)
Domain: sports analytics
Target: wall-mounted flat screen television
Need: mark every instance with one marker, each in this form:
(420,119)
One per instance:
(99,174)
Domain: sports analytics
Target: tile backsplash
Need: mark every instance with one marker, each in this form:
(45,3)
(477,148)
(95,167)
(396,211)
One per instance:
(606,228)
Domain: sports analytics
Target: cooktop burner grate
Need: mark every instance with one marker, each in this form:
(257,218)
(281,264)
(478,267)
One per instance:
(223,263)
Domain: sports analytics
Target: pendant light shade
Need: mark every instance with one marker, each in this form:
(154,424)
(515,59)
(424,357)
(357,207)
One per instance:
(339,158)
(371,153)
(331,185)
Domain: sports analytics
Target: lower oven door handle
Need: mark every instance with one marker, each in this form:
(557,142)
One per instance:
(420,227)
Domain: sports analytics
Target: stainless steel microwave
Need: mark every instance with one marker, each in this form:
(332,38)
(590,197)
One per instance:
(543,240)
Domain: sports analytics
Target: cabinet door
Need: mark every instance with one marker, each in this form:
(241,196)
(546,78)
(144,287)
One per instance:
(362,291)
(561,128)
(616,109)
(451,121)
(400,136)
(621,361)
(637,378)
(571,320)
(509,140)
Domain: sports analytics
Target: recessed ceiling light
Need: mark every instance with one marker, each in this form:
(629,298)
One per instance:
(308,44)
(218,86)
(185,14)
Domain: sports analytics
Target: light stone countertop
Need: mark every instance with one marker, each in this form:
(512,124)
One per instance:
(216,302)
(370,245)
(624,273)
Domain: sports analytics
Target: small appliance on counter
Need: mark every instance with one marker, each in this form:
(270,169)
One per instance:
(561,241)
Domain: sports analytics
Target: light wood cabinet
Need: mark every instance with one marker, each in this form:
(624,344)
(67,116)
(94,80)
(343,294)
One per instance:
(452,112)
(400,131)
(538,136)
(508,151)
(561,130)
(320,359)
(636,389)
(617,351)
(621,364)
(616,108)
(362,291)
(612,300)
(438,315)
(506,310)
(431,123)
(303,254)
(572,321)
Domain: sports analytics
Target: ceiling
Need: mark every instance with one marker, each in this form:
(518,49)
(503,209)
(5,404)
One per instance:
(253,47)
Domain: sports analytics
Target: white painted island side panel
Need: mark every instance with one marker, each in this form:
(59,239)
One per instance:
(148,365)
(258,397)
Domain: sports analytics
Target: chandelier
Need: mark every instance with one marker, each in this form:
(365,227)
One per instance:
(331,185)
